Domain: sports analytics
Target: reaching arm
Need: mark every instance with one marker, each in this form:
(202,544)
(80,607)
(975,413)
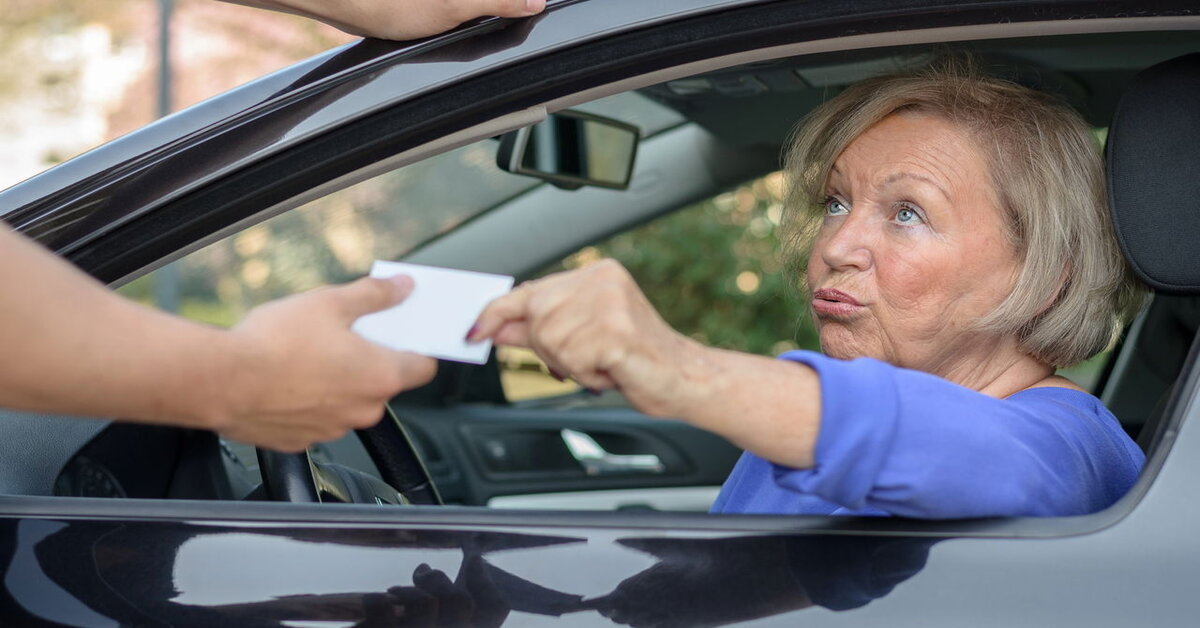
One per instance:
(597,327)
(291,374)
(398,19)
(767,406)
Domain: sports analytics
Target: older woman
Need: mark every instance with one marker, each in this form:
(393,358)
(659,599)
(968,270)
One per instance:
(958,250)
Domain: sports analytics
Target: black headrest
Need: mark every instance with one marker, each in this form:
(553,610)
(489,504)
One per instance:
(1154,175)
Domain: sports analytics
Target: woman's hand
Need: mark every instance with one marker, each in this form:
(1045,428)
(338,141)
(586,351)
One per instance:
(595,326)
(399,19)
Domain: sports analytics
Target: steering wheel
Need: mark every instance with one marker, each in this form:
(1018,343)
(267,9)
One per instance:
(298,478)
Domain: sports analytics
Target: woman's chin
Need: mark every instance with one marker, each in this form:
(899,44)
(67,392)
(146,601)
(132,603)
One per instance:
(839,343)
(839,350)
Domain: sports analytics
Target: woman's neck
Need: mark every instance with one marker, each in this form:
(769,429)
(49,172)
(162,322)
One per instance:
(998,369)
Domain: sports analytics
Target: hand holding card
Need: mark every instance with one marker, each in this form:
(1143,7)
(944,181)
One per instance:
(435,318)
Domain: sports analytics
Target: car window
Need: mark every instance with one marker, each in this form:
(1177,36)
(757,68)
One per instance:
(713,269)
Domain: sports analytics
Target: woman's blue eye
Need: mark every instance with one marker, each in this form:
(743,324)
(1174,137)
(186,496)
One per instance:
(835,207)
(907,216)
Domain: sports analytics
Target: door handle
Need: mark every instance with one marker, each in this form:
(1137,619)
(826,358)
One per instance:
(596,461)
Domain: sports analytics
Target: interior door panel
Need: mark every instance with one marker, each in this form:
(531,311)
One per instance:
(479,451)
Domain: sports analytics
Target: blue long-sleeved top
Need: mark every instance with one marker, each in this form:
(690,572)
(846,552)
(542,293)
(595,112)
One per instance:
(898,442)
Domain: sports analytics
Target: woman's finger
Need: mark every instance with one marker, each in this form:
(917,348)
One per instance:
(581,354)
(513,334)
(512,307)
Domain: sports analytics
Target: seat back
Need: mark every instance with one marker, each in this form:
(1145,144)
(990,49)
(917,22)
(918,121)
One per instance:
(1153,163)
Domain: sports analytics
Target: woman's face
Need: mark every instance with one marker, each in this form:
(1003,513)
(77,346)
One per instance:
(912,250)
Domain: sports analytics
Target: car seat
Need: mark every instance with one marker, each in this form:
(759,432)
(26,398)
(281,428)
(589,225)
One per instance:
(1153,154)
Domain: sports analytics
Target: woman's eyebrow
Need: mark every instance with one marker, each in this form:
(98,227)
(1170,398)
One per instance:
(919,177)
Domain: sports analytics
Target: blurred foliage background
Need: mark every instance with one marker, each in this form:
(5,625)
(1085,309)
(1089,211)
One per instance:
(714,271)
(74,75)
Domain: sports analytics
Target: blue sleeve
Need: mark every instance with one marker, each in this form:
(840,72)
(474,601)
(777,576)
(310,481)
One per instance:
(913,444)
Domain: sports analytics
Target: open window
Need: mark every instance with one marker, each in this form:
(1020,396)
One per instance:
(705,188)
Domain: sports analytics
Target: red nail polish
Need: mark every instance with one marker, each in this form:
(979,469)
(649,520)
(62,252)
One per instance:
(556,375)
(471,331)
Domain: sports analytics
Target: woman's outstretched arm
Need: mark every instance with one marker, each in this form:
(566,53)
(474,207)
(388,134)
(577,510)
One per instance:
(595,326)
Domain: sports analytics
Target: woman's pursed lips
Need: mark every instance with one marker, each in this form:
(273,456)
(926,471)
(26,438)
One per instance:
(828,301)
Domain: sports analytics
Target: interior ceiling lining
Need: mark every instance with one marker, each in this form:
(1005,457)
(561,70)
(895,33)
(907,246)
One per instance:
(1087,72)
(1161,26)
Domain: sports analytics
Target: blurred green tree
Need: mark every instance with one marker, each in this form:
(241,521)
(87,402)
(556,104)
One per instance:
(715,271)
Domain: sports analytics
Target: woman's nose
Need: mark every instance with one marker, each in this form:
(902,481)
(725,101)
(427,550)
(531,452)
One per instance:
(846,243)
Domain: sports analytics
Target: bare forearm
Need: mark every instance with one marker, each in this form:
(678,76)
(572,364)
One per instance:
(769,407)
(74,347)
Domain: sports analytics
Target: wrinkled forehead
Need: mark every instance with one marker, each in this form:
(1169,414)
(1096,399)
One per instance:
(914,147)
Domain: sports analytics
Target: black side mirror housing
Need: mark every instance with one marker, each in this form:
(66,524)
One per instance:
(572,149)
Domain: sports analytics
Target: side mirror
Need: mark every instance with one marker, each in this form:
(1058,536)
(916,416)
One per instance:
(571,149)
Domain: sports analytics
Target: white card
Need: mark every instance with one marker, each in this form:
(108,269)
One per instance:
(435,318)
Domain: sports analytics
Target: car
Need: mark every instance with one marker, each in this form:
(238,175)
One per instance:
(468,506)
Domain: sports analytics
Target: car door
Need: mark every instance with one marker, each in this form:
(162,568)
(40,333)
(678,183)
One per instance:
(110,562)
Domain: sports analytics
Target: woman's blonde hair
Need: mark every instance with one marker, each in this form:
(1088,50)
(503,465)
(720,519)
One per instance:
(1074,291)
